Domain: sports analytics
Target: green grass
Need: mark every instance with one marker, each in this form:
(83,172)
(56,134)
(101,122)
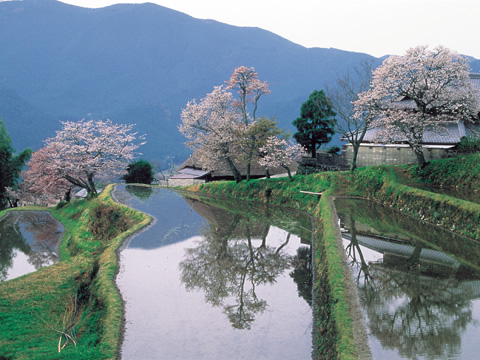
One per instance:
(34,307)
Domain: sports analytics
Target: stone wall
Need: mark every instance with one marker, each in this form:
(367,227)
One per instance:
(392,155)
(184,182)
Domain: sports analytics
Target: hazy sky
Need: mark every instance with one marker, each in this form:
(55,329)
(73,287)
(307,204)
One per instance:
(376,27)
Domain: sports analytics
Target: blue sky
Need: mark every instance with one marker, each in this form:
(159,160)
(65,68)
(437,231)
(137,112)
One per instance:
(376,27)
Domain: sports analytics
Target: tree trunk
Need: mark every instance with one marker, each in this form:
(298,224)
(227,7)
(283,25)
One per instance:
(420,157)
(250,156)
(91,190)
(314,151)
(355,147)
(236,174)
(68,195)
(267,173)
(288,172)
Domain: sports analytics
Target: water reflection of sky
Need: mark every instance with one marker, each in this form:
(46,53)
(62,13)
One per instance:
(164,320)
(205,296)
(415,306)
(29,241)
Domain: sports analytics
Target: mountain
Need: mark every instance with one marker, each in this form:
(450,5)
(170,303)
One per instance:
(140,64)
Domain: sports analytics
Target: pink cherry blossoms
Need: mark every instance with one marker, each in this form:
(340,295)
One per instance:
(423,89)
(86,149)
(221,128)
(278,152)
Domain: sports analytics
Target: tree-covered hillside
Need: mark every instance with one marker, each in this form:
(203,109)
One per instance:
(141,64)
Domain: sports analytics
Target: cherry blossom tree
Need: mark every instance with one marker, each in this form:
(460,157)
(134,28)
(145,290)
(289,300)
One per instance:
(87,149)
(278,152)
(214,128)
(224,129)
(42,183)
(250,90)
(424,89)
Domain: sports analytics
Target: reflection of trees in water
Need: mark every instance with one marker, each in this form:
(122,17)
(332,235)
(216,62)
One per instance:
(302,273)
(46,235)
(44,230)
(140,192)
(228,267)
(416,314)
(11,238)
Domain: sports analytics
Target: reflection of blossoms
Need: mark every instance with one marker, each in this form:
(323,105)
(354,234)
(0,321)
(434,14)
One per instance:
(229,269)
(278,152)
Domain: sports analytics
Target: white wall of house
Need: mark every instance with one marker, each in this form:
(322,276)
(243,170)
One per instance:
(399,154)
(184,182)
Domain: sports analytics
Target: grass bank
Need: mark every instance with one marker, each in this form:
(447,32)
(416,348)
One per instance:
(334,319)
(36,308)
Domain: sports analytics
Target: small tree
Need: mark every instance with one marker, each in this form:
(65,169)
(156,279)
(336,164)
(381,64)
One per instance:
(423,89)
(316,122)
(84,150)
(343,95)
(257,135)
(140,172)
(277,152)
(10,165)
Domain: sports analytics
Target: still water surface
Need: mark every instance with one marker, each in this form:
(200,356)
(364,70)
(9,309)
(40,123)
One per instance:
(419,286)
(28,241)
(205,282)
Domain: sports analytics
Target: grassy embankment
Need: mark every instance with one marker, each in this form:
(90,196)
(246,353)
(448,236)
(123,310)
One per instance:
(333,314)
(35,308)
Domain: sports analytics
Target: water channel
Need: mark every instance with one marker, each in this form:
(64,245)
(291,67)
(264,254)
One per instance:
(419,286)
(28,241)
(215,281)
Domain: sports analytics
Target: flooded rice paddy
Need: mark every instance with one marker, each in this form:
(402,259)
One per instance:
(419,286)
(229,281)
(28,241)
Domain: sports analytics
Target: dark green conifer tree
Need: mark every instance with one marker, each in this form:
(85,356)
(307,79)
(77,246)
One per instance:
(316,122)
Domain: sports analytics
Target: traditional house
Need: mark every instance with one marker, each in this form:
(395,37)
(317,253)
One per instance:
(192,172)
(437,145)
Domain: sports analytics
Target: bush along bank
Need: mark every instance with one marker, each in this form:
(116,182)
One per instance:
(72,309)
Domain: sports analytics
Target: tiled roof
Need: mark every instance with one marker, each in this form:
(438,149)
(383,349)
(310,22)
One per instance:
(451,135)
(190,173)
(224,171)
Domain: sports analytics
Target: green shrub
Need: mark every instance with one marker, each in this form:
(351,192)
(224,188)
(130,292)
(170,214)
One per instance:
(139,172)
(107,221)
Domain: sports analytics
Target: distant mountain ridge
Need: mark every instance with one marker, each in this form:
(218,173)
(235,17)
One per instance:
(141,64)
